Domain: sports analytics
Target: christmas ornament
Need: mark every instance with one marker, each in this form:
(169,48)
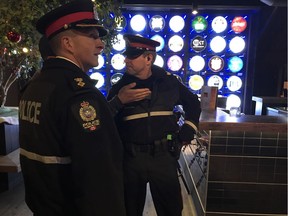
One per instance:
(13,37)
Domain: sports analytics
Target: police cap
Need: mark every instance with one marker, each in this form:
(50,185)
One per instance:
(136,45)
(73,15)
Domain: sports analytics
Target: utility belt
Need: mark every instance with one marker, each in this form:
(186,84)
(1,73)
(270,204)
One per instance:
(156,146)
(169,144)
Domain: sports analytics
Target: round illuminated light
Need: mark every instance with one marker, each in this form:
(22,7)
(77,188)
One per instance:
(120,22)
(197,63)
(195,82)
(115,78)
(176,23)
(215,81)
(219,24)
(101,62)
(235,64)
(117,62)
(119,43)
(159,61)
(100,79)
(238,24)
(157,23)
(198,43)
(237,44)
(216,63)
(217,44)
(174,63)
(233,101)
(199,24)
(234,83)
(160,39)
(176,43)
(138,23)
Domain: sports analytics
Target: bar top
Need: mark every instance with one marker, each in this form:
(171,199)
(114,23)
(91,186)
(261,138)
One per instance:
(220,120)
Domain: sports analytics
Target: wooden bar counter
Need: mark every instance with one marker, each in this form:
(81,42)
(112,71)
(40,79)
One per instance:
(238,166)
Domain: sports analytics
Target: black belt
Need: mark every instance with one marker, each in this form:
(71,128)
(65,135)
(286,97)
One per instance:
(156,146)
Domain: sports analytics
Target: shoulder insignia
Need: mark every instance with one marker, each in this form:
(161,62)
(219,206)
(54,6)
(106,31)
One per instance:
(167,73)
(79,82)
(88,115)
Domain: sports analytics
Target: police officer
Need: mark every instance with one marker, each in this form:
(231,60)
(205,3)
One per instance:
(149,129)
(70,151)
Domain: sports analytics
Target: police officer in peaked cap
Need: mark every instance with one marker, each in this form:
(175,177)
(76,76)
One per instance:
(70,150)
(149,130)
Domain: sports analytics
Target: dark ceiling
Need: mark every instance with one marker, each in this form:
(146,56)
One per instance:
(248,3)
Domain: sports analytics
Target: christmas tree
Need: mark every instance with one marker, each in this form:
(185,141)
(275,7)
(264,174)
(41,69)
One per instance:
(19,55)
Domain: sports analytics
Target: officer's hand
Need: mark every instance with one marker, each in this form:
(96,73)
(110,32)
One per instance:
(127,94)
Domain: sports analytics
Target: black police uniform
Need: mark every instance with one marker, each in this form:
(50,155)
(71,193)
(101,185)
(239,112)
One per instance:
(143,126)
(71,153)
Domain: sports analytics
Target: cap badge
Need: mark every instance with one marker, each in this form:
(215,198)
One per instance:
(79,82)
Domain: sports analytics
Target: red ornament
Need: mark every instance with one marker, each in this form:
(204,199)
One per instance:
(13,37)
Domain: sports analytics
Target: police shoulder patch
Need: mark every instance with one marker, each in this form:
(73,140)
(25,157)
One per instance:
(89,116)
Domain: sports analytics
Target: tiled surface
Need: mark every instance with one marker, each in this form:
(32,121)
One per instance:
(247,173)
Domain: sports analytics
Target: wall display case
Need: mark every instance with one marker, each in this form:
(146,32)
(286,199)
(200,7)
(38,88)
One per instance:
(210,48)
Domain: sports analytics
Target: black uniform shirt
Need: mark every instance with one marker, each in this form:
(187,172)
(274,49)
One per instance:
(71,154)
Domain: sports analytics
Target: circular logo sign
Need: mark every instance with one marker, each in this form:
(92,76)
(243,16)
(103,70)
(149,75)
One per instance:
(115,78)
(199,24)
(234,83)
(160,39)
(215,81)
(216,63)
(198,43)
(174,63)
(235,64)
(176,23)
(176,43)
(238,24)
(196,82)
(219,24)
(197,63)
(120,22)
(157,23)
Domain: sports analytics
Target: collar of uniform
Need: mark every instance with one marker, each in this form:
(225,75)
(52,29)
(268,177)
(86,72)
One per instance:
(62,57)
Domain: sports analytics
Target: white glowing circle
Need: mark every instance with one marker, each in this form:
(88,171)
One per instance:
(174,63)
(176,23)
(215,81)
(100,79)
(157,23)
(176,43)
(234,83)
(197,63)
(101,62)
(217,44)
(196,82)
(233,101)
(237,44)
(160,39)
(117,62)
(159,61)
(219,24)
(120,43)
(138,23)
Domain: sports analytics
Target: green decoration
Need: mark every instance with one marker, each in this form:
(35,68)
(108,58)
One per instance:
(19,39)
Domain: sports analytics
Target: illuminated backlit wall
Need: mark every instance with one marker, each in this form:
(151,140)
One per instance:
(210,48)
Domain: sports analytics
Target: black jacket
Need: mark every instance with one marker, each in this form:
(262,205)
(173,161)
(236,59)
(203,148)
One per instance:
(71,153)
(151,119)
